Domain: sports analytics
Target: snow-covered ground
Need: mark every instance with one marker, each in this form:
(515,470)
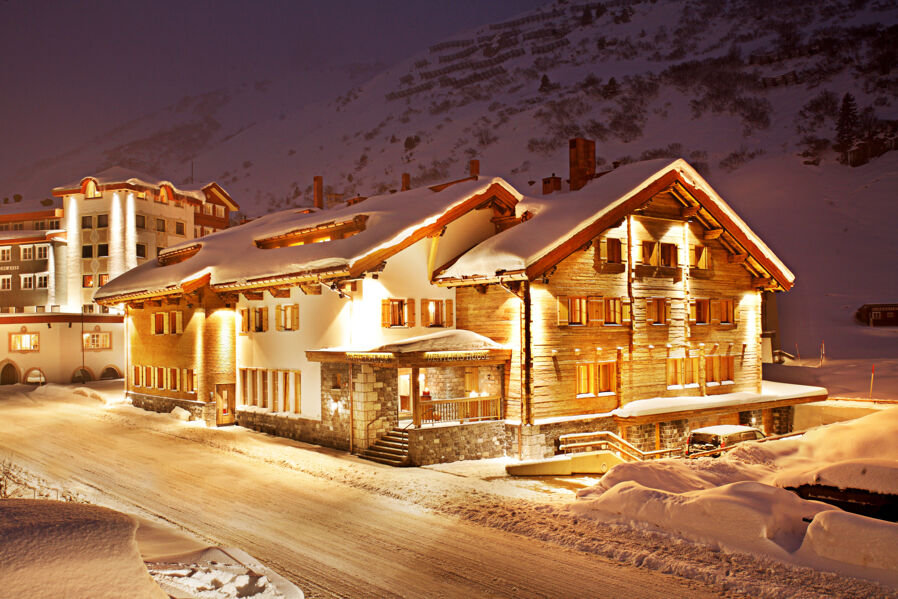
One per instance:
(337,525)
(738,502)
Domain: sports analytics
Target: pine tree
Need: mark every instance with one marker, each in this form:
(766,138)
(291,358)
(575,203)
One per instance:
(611,88)
(545,85)
(846,126)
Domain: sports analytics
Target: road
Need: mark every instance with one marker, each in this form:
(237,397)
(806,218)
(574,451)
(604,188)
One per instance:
(330,538)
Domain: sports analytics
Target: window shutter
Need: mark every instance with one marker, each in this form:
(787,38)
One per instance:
(650,310)
(693,256)
(165,327)
(385,313)
(152,324)
(715,308)
(449,316)
(604,250)
(244,320)
(179,321)
(595,311)
(279,317)
(666,311)
(295,309)
(563,318)
(425,313)
(736,310)
(692,310)
(264,315)
(626,314)
(410,312)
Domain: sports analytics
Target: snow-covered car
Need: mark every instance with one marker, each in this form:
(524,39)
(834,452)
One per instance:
(710,438)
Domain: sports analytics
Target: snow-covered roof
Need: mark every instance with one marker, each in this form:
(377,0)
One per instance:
(119,175)
(723,429)
(560,216)
(450,340)
(25,235)
(233,258)
(770,392)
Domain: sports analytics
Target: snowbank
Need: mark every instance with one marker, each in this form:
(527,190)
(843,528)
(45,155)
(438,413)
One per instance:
(736,502)
(56,549)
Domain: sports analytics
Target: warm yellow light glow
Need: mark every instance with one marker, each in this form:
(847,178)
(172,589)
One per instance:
(321,239)
(296,243)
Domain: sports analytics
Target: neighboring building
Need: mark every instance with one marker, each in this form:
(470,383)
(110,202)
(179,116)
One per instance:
(118,219)
(878,315)
(61,348)
(32,270)
(480,322)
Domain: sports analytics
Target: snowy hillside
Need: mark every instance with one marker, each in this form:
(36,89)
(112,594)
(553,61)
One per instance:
(748,91)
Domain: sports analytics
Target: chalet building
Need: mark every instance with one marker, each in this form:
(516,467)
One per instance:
(631,303)
(878,315)
(280,324)
(465,321)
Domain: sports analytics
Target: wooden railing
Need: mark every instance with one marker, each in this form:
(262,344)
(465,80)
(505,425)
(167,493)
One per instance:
(608,441)
(460,409)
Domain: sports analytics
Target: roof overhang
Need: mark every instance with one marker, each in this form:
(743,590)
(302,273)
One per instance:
(422,359)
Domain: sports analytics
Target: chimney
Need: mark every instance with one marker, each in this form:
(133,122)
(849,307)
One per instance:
(406,182)
(474,168)
(318,192)
(583,162)
(551,184)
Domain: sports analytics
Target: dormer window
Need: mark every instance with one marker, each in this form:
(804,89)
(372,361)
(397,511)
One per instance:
(329,231)
(90,190)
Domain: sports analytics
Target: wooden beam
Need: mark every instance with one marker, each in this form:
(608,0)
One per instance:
(155,302)
(481,289)
(253,295)
(711,234)
(310,288)
(737,258)
(282,292)
(762,282)
(690,211)
(172,300)
(135,305)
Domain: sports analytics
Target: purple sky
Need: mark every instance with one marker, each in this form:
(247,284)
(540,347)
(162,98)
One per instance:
(72,68)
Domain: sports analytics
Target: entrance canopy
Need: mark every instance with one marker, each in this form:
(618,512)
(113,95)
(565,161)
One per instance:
(444,348)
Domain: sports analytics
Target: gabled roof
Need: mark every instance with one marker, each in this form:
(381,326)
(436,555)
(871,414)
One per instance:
(240,258)
(560,224)
(116,177)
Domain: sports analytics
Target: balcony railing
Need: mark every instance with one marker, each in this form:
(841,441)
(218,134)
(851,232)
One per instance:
(460,409)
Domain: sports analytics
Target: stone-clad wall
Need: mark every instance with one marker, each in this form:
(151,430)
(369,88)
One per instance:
(471,441)
(325,432)
(783,420)
(376,403)
(541,440)
(199,410)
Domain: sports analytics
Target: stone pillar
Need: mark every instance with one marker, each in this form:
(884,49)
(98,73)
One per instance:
(73,255)
(216,353)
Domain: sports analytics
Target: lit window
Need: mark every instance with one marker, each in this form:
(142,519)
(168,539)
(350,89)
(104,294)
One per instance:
(699,257)
(586,379)
(397,313)
(613,254)
(97,340)
(220,211)
(207,209)
(87,281)
(23,342)
(436,313)
(700,311)
(594,379)
(104,278)
(657,310)
(27,252)
(90,190)
(287,317)
(260,319)
(668,255)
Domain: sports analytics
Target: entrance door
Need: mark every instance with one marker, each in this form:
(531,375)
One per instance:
(225,399)
(9,376)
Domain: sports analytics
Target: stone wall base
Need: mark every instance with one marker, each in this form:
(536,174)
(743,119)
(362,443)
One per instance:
(540,441)
(471,441)
(199,410)
(317,432)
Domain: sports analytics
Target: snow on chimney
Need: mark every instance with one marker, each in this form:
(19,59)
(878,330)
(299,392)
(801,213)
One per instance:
(406,182)
(474,168)
(551,184)
(318,192)
(583,162)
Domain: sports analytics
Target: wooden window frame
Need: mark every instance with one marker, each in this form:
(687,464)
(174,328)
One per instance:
(433,313)
(43,252)
(27,252)
(668,255)
(97,341)
(136,372)
(173,379)
(159,323)
(398,313)
(613,250)
(34,344)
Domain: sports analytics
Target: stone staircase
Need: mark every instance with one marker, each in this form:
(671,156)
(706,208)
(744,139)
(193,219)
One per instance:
(391,449)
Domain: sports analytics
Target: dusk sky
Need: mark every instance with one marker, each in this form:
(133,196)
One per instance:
(75,69)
